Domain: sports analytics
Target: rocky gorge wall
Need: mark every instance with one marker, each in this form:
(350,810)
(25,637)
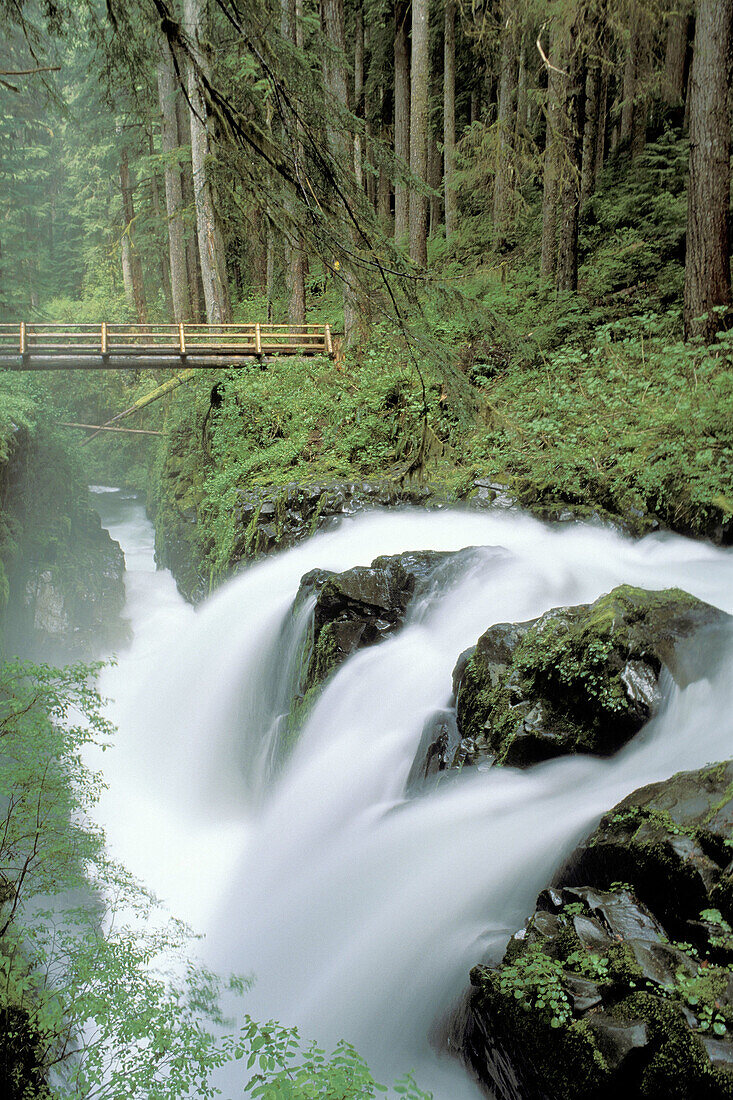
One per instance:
(63,575)
(266,518)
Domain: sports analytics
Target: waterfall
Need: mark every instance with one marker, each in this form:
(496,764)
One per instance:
(357,910)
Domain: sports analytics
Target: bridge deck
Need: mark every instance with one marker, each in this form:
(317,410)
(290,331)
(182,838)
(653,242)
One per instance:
(27,346)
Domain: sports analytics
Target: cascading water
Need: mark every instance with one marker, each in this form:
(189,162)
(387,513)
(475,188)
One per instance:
(358,911)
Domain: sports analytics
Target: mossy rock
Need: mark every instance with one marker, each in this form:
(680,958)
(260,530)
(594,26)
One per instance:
(572,1017)
(367,604)
(621,982)
(579,679)
(672,841)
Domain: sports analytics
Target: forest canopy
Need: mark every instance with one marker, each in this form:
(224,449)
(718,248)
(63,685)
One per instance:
(171,160)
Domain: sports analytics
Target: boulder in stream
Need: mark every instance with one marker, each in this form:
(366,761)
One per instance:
(365,605)
(580,679)
(621,983)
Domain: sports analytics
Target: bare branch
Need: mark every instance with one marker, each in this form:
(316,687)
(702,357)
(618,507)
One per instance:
(545,59)
(31,72)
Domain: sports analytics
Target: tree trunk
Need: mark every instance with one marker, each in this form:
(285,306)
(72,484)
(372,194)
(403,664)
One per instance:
(270,275)
(707,263)
(522,122)
(334,74)
(590,129)
(211,244)
(505,126)
(449,117)
(384,195)
(435,176)
(367,156)
(358,91)
(291,30)
(257,250)
(641,98)
(572,139)
(552,155)
(600,154)
(132,260)
(635,99)
(419,84)
(401,116)
(126,258)
(673,85)
(630,68)
(193,263)
(165,268)
(173,188)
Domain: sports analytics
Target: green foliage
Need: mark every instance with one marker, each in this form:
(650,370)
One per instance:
(589,963)
(633,228)
(98,996)
(297,420)
(723,938)
(534,979)
(288,1070)
(636,422)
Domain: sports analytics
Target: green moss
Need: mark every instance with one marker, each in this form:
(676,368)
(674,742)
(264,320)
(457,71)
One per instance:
(563,689)
(563,1060)
(721,896)
(296,719)
(251,532)
(319,658)
(326,655)
(678,1067)
(318,512)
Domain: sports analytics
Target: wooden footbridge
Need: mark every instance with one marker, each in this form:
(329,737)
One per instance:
(27,346)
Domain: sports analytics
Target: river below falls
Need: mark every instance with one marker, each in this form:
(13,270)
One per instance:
(358,912)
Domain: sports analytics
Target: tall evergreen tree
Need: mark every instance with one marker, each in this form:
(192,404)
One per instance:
(211,244)
(419,87)
(707,263)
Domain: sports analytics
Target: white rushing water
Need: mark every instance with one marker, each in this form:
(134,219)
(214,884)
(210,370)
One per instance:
(358,912)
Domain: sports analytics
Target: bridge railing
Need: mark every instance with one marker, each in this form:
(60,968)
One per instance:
(28,339)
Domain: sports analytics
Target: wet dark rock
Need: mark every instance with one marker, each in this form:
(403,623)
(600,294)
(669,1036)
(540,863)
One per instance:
(584,994)
(719,1051)
(367,604)
(671,842)
(617,1040)
(484,493)
(487,493)
(271,518)
(579,679)
(619,912)
(437,749)
(590,932)
(593,998)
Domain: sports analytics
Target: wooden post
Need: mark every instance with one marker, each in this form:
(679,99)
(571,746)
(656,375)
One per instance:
(258,339)
(329,342)
(104,337)
(182,338)
(338,351)
(22,337)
